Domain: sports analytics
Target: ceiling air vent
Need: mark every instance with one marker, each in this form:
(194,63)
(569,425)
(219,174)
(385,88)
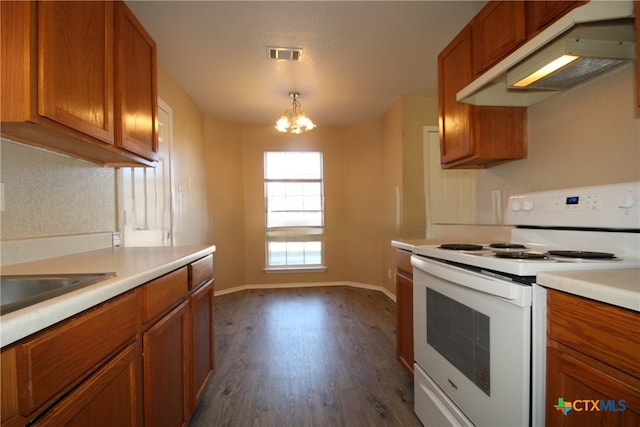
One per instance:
(285,53)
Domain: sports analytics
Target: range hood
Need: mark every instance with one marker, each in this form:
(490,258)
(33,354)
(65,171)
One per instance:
(594,38)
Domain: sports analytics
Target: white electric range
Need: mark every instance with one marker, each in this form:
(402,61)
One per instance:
(479,316)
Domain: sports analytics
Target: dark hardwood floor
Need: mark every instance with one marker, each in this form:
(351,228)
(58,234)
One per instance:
(306,357)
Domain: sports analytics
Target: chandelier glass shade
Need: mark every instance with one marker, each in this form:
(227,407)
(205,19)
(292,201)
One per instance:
(294,120)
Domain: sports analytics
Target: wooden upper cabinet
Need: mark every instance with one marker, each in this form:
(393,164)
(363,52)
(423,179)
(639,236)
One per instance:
(136,93)
(497,30)
(472,136)
(454,73)
(59,81)
(75,65)
(503,26)
(540,14)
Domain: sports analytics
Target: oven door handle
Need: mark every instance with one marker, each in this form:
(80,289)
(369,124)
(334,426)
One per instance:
(502,288)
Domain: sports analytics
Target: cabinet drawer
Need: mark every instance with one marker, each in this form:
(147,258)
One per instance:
(602,331)
(403,262)
(61,355)
(110,397)
(162,293)
(200,271)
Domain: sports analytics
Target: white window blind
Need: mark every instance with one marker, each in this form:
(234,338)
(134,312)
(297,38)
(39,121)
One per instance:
(294,201)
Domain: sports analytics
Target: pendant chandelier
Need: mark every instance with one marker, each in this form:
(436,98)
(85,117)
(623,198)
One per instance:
(294,120)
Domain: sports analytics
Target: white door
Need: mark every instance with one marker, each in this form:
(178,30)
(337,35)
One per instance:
(145,194)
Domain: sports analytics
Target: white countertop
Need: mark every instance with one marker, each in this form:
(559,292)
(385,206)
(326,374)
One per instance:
(460,233)
(617,287)
(134,267)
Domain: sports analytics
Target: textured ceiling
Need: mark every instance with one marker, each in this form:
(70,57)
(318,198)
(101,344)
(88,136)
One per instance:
(359,56)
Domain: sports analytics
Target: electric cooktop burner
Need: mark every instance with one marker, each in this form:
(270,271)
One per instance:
(582,254)
(507,246)
(461,247)
(521,255)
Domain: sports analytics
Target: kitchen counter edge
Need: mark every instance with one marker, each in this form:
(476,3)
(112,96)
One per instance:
(619,287)
(134,266)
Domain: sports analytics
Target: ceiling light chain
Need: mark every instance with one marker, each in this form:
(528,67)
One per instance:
(294,120)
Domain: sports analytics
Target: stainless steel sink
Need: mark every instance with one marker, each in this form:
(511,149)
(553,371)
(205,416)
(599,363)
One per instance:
(22,291)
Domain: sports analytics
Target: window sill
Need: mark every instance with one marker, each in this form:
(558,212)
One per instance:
(296,269)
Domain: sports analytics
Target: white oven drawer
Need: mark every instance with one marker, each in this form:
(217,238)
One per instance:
(432,406)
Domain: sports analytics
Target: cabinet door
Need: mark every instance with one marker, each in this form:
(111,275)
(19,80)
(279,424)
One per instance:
(53,361)
(136,98)
(110,397)
(201,341)
(540,14)
(75,65)
(497,30)
(454,73)
(580,381)
(404,334)
(166,370)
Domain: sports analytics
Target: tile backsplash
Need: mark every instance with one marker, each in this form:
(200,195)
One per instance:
(46,194)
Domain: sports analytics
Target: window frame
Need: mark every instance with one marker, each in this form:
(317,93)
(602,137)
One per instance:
(296,232)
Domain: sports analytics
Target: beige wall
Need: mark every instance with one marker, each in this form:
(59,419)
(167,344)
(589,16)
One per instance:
(417,112)
(225,199)
(188,165)
(364,175)
(588,135)
(359,224)
(331,142)
(402,169)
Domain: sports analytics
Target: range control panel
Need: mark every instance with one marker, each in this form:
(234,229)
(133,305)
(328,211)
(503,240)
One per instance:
(603,206)
(583,201)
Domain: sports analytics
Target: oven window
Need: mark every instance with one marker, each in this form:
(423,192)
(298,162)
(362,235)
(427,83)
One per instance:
(461,335)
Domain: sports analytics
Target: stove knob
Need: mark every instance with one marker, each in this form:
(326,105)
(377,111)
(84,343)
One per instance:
(527,206)
(516,205)
(626,201)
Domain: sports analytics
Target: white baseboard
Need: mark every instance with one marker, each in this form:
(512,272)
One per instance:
(385,291)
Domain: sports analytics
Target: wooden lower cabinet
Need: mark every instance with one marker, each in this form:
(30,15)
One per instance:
(166,372)
(404,306)
(142,358)
(404,343)
(593,363)
(178,348)
(111,397)
(44,370)
(201,341)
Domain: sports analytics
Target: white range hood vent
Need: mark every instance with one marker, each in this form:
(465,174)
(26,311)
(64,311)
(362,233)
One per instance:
(600,34)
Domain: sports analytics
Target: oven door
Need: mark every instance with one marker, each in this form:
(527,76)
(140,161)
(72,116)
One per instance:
(472,338)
